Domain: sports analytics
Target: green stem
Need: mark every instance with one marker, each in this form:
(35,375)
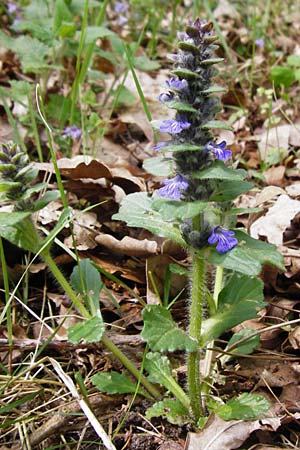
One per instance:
(179,393)
(209,353)
(84,312)
(64,283)
(131,367)
(193,363)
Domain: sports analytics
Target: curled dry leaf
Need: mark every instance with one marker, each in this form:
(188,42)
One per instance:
(218,434)
(128,246)
(277,219)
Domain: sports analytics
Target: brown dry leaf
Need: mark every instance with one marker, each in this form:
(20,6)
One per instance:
(278,137)
(226,9)
(294,338)
(170,445)
(290,397)
(277,219)
(157,266)
(275,175)
(220,435)
(128,246)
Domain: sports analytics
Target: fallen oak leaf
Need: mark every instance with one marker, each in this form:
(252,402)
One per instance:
(227,435)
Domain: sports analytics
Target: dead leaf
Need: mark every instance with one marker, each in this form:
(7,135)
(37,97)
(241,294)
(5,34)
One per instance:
(294,338)
(128,246)
(170,445)
(157,267)
(277,137)
(274,176)
(277,219)
(218,434)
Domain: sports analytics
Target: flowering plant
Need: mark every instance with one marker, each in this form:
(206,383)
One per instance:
(194,208)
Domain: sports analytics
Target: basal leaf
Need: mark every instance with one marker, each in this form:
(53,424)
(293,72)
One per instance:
(96,32)
(245,407)
(159,166)
(172,409)
(136,210)
(86,280)
(114,383)
(159,369)
(161,332)
(245,348)
(91,330)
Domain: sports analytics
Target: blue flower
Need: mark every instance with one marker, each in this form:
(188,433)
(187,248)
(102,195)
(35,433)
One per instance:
(166,97)
(173,187)
(219,150)
(159,146)
(177,85)
(174,126)
(260,42)
(73,132)
(225,239)
(12,8)
(120,7)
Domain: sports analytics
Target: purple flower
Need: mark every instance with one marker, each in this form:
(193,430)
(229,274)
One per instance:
(260,42)
(12,8)
(166,97)
(73,132)
(122,20)
(159,146)
(177,85)
(219,150)
(120,7)
(174,126)
(224,238)
(173,187)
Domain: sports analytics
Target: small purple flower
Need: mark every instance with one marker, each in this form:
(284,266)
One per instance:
(120,7)
(159,146)
(12,8)
(174,126)
(166,97)
(224,238)
(260,43)
(219,150)
(177,85)
(173,187)
(73,132)
(122,20)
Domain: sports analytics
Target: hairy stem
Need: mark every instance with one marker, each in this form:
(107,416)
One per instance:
(193,363)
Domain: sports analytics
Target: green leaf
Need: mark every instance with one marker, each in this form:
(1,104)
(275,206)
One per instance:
(245,407)
(171,409)
(282,75)
(114,383)
(162,333)
(21,401)
(124,96)
(159,369)
(249,256)
(61,14)
(159,166)
(229,190)
(293,60)
(172,210)
(219,171)
(47,198)
(66,29)
(19,229)
(240,300)
(180,106)
(91,330)
(214,90)
(93,33)
(187,47)
(86,280)
(210,61)
(145,64)
(245,348)
(185,73)
(216,124)
(136,210)
(177,147)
